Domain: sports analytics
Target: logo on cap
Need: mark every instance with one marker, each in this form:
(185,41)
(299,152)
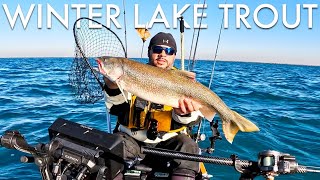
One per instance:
(167,41)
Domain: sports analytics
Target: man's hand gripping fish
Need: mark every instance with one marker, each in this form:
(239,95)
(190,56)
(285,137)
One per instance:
(166,87)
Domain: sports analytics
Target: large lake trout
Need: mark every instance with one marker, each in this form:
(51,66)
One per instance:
(166,87)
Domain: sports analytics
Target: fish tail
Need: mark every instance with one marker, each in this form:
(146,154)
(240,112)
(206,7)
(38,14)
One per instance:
(233,125)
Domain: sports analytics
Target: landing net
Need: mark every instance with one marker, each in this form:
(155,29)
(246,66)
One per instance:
(91,43)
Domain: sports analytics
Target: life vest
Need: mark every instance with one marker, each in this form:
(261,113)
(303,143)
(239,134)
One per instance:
(142,111)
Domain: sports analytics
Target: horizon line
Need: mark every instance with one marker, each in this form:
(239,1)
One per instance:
(237,61)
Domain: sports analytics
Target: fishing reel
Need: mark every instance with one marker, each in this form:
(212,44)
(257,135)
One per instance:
(272,163)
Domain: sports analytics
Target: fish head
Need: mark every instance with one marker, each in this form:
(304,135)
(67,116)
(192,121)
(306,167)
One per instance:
(110,67)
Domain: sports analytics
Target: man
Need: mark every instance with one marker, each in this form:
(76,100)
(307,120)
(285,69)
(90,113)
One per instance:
(143,123)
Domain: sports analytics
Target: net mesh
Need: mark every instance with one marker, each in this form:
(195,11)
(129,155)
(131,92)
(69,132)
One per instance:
(91,43)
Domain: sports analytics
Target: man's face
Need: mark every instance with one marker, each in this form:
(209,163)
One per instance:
(160,58)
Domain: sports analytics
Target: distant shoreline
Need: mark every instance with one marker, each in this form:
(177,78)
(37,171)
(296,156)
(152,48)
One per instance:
(186,60)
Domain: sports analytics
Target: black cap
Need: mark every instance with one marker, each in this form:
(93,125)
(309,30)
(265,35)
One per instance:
(163,39)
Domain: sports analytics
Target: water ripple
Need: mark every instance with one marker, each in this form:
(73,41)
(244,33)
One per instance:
(283,100)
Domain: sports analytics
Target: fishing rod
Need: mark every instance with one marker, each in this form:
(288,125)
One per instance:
(191,47)
(125,27)
(182,41)
(197,40)
(213,126)
(269,165)
(216,52)
(75,151)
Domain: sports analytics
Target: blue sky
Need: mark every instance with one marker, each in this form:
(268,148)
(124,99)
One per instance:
(277,44)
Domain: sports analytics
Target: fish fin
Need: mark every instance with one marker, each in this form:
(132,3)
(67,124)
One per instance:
(207,112)
(187,74)
(121,89)
(232,126)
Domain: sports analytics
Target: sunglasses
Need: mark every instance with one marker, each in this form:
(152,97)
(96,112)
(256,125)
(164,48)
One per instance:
(167,50)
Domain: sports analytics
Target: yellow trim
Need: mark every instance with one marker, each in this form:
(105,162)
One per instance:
(202,168)
(178,130)
(163,116)
(133,99)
